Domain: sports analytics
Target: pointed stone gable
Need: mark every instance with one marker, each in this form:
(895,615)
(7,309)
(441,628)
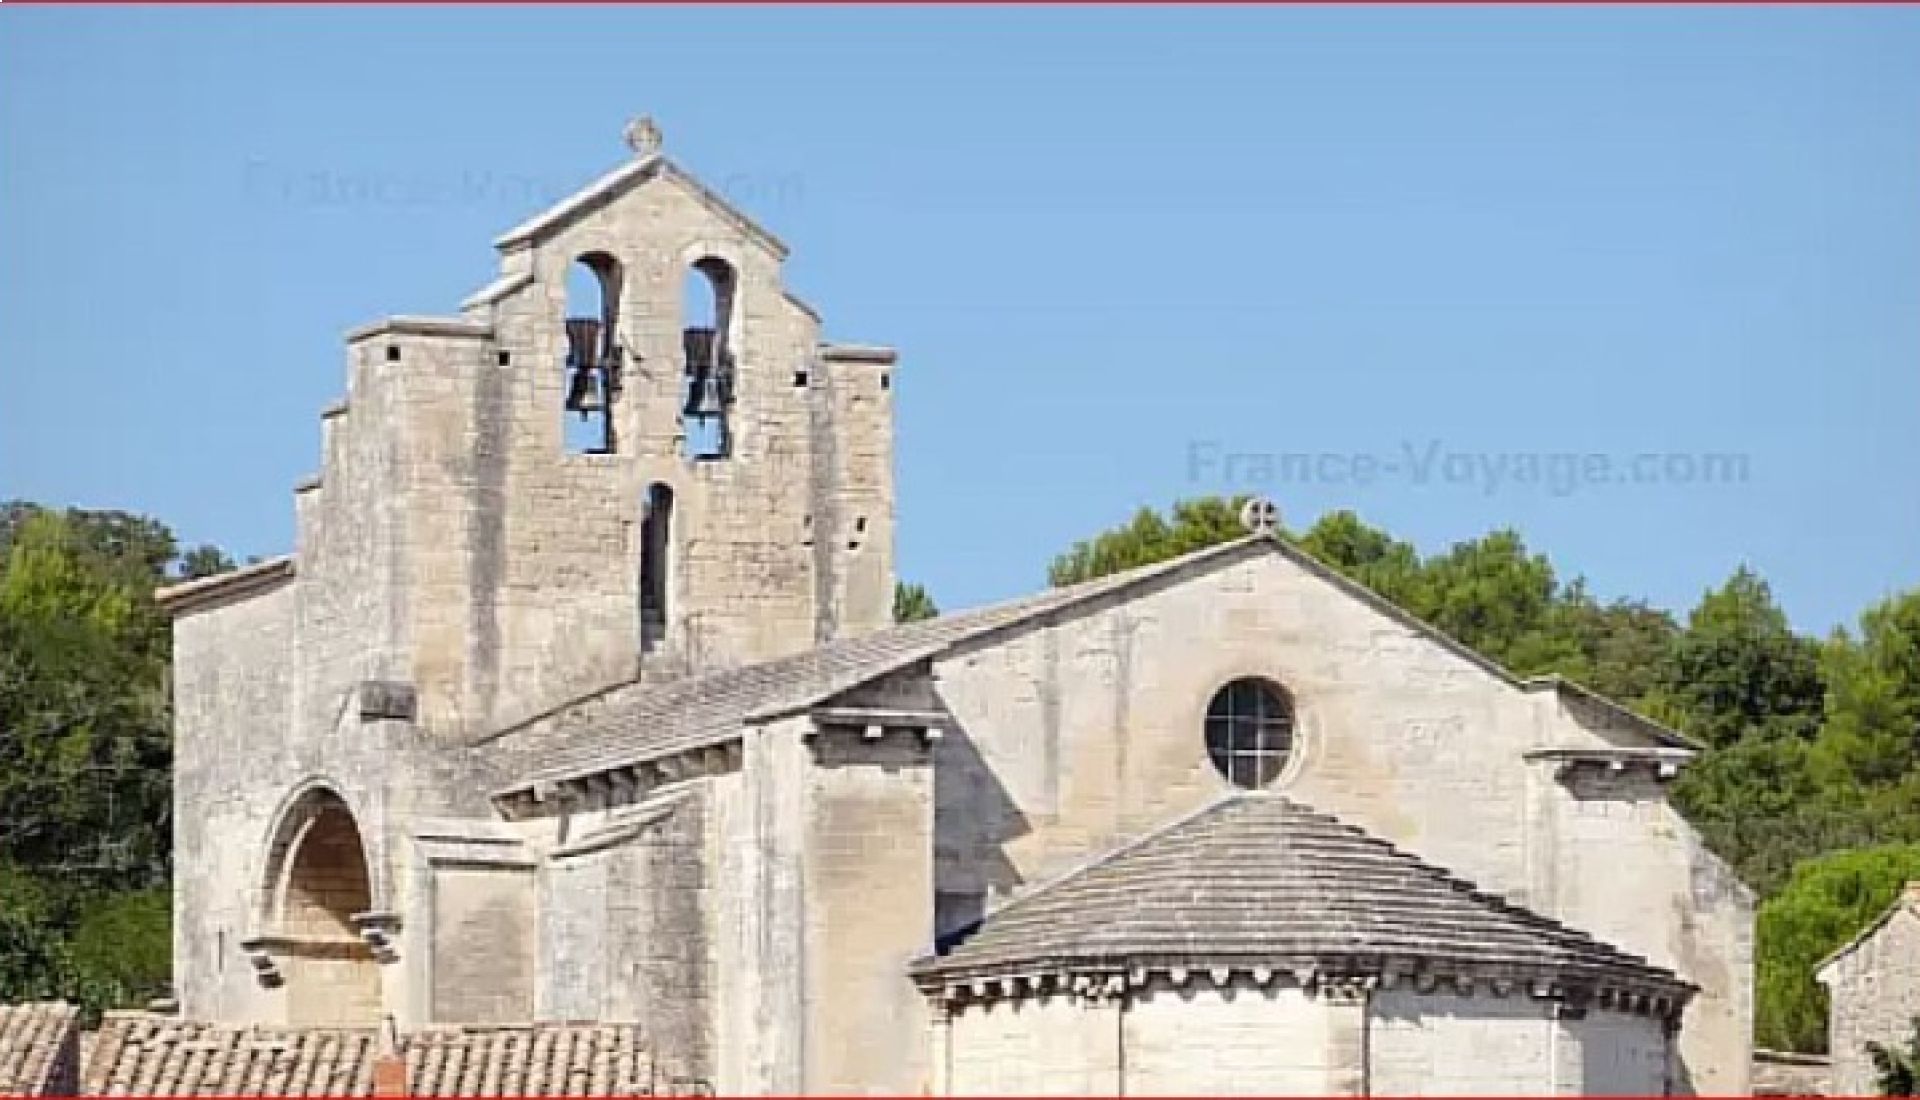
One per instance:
(631,722)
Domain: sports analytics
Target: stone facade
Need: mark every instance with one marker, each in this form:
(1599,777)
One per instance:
(1873,988)
(1248,1039)
(458,570)
(521,731)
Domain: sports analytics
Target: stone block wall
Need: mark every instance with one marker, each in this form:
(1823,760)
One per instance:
(1198,1041)
(483,945)
(1610,852)
(869,896)
(627,927)
(1041,1046)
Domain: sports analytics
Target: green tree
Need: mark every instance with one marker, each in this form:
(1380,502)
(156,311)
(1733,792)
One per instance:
(34,961)
(85,752)
(1757,804)
(911,603)
(1824,903)
(1494,595)
(122,945)
(1150,537)
(1898,1068)
(83,765)
(1739,670)
(204,561)
(1614,648)
(1872,733)
(1365,554)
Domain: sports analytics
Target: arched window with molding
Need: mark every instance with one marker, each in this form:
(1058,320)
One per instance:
(708,299)
(592,366)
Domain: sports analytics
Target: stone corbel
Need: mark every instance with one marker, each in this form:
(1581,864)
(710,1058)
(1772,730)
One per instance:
(1342,989)
(1660,764)
(259,954)
(874,723)
(380,930)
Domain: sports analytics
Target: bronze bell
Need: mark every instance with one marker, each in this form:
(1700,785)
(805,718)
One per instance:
(702,346)
(585,337)
(586,389)
(584,394)
(709,388)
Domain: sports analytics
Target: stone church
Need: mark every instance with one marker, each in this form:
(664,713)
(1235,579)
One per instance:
(578,701)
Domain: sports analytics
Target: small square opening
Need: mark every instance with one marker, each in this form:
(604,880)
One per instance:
(393,353)
(799,379)
(506,359)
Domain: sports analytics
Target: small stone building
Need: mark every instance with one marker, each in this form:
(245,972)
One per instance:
(1873,990)
(577,700)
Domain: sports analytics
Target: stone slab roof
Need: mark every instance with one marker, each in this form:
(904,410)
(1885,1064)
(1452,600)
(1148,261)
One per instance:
(178,599)
(1258,879)
(632,722)
(39,1045)
(137,1054)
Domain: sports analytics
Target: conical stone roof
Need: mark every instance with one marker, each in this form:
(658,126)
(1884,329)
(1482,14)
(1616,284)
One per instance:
(1258,880)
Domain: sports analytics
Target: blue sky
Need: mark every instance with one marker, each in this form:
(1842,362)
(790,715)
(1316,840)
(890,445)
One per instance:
(1388,259)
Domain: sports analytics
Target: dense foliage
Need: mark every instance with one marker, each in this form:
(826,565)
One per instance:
(85,746)
(911,603)
(1809,778)
(1825,902)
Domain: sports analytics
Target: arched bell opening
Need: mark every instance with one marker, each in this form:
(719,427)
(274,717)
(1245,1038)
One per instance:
(319,903)
(706,399)
(593,353)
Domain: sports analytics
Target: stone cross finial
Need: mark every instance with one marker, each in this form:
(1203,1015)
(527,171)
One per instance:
(1260,516)
(643,136)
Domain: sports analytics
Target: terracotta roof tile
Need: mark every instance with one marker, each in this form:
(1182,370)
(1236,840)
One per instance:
(39,1048)
(138,1054)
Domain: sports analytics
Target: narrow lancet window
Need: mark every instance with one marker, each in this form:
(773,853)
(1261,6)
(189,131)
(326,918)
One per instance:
(656,542)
